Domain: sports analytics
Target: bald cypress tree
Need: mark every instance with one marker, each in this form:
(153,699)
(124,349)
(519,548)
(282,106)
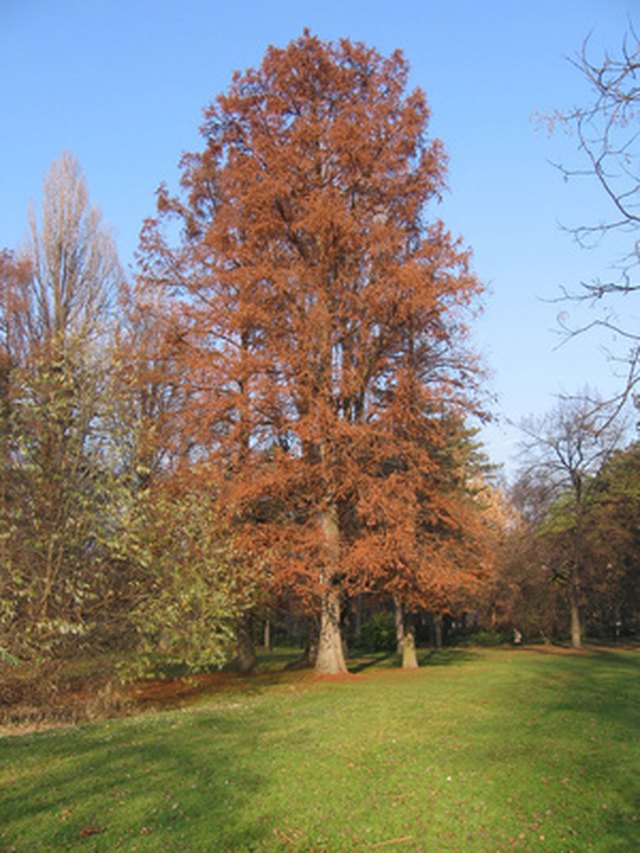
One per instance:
(324,310)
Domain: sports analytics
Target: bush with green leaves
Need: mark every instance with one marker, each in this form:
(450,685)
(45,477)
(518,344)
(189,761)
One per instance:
(484,638)
(378,634)
(190,589)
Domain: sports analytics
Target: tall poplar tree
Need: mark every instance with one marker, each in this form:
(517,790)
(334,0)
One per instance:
(55,324)
(323,314)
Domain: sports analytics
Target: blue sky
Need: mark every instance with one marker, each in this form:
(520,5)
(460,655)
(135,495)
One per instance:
(122,84)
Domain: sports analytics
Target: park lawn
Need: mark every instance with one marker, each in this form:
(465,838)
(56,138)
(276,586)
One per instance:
(479,750)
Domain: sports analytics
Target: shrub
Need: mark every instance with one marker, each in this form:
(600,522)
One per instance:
(485,638)
(378,634)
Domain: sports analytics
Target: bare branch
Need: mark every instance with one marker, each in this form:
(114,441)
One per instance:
(607,129)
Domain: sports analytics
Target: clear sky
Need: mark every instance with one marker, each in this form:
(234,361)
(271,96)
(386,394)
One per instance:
(122,84)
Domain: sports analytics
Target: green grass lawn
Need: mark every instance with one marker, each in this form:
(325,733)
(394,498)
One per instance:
(479,750)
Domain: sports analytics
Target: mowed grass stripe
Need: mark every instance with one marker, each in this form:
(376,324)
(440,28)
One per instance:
(490,750)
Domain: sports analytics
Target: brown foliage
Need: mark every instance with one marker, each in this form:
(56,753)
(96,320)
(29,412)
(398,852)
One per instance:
(323,319)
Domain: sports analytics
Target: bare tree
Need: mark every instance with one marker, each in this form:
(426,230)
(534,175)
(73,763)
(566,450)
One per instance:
(561,453)
(75,266)
(607,129)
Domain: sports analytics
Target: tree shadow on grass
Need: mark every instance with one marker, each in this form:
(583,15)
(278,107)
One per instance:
(361,662)
(445,657)
(426,658)
(569,745)
(599,690)
(173,781)
(602,683)
(158,694)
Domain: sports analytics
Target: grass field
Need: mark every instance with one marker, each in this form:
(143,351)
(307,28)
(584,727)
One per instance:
(479,750)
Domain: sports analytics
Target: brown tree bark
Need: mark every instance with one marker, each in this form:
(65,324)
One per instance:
(576,622)
(310,654)
(266,634)
(358,615)
(399,622)
(331,659)
(245,661)
(409,658)
(437,630)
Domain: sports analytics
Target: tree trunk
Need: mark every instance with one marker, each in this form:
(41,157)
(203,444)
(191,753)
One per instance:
(358,617)
(313,640)
(266,634)
(399,620)
(437,630)
(310,653)
(409,659)
(245,661)
(576,626)
(330,659)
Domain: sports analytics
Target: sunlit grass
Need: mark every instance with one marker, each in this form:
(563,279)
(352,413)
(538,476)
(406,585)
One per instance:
(491,750)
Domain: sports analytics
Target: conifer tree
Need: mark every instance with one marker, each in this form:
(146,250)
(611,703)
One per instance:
(324,312)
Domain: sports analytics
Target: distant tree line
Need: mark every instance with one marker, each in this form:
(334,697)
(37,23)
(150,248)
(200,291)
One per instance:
(572,563)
